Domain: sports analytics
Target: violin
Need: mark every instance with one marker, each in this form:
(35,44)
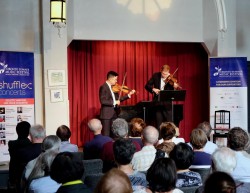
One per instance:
(172,81)
(118,88)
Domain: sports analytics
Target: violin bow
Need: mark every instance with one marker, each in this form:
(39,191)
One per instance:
(123,82)
(173,74)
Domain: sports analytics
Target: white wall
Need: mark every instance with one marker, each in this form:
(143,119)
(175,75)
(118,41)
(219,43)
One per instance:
(170,20)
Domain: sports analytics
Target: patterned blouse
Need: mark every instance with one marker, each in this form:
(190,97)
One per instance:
(190,178)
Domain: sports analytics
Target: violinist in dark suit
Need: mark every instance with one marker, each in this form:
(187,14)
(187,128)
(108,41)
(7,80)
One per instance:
(159,81)
(110,102)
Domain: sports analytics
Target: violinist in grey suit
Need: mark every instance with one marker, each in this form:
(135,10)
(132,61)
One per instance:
(110,102)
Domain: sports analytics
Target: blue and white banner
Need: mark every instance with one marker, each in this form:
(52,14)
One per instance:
(16,95)
(228,89)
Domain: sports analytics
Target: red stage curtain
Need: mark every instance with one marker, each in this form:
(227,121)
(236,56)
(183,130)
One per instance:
(89,62)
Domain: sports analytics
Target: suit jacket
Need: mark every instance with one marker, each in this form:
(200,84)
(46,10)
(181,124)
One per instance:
(155,82)
(107,108)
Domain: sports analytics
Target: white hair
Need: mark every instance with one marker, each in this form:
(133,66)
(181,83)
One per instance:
(224,160)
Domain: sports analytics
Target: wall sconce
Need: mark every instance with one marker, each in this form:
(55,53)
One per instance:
(58,14)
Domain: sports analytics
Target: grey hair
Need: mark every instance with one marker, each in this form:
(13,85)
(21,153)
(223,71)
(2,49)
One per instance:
(51,142)
(94,125)
(150,134)
(37,131)
(224,160)
(120,128)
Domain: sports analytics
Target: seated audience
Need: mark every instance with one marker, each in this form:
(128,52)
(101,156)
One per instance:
(64,133)
(124,150)
(119,130)
(224,160)
(67,169)
(183,156)
(143,159)
(198,140)
(237,139)
(114,181)
(39,180)
(136,127)
(220,182)
(22,130)
(176,139)
(30,152)
(161,176)
(210,147)
(93,148)
(167,132)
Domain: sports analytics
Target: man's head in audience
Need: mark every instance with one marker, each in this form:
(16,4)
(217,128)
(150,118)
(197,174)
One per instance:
(237,139)
(198,139)
(150,135)
(224,160)
(23,129)
(114,181)
(37,133)
(67,167)
(206,127)
(63,132)
(124,150)
(120,128)
(95,126)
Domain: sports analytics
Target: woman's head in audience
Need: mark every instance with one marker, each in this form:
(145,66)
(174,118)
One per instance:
(50,148)
(63,132)
(220,182)
(198,139)
(167,130)
(137,125)
(224,160)
(183,156)
(66,167)
(206,127)
(161,175)
(237,139)
(120,128)
(114,181)
(124,150)
(51,142)
(23,129)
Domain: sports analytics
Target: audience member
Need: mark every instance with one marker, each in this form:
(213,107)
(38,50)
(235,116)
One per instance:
(124,150)
(237,139)
(145,157)
(119,130)
(64,133)
(220,182)
(161,176)
(210,147)
(224,160)
(136,127)
(198,140)
(39,180)
(93,148)
(175,138)
(22,130)
(114,181)
(183,156)
(67,169)
(30,152)
(167,132)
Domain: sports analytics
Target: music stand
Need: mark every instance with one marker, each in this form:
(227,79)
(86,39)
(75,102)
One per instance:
(171,95)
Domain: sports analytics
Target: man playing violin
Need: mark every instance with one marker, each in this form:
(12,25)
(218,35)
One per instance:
(110,101)
(162,80)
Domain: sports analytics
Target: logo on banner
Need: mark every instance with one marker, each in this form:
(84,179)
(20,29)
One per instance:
(218,69)
(3,66)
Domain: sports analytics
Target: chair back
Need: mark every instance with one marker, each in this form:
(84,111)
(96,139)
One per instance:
(204,172)
(92,166)
(92,180)
(221,121)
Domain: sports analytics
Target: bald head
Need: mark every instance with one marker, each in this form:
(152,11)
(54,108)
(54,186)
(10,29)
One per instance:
(150,135)
(95,126)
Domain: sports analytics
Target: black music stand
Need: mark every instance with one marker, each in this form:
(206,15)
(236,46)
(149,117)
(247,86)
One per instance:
(171,95)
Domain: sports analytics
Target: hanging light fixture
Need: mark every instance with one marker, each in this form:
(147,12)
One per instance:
(58,14)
